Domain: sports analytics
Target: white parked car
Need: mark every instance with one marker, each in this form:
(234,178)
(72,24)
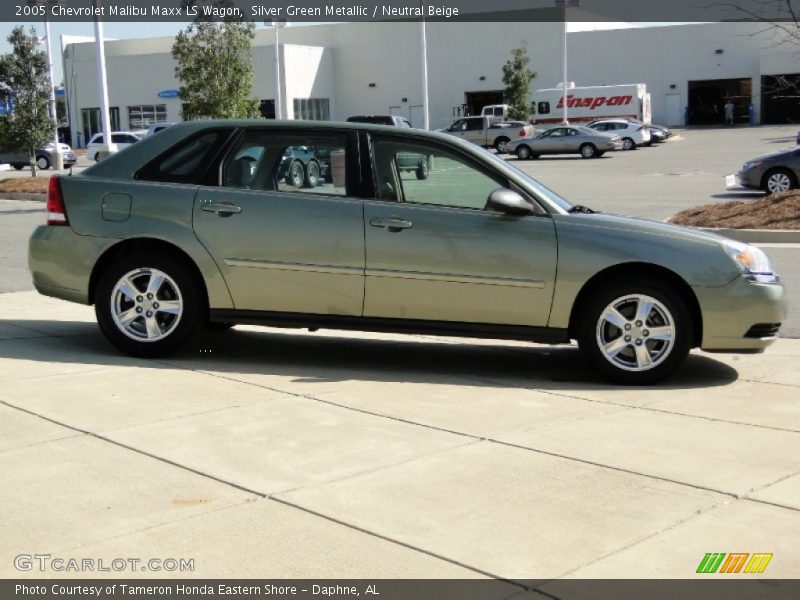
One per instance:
(156,127)
(122,139)
(632,134)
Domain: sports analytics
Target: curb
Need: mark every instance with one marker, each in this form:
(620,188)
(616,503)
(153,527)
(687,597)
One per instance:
(24,196)
(762,236)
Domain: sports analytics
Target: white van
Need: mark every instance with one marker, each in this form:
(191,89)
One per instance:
(495,112)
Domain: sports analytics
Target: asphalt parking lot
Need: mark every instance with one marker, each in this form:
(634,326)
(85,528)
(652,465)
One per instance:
(273,453)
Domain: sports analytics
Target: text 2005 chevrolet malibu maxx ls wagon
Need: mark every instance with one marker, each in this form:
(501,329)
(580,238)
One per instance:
(314,225)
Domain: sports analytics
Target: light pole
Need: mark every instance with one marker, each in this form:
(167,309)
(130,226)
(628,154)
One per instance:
(276,25)
(57,156)
(426,119)
(565,4)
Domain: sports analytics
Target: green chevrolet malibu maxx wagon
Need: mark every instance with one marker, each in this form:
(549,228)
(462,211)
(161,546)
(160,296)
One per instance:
(207,222)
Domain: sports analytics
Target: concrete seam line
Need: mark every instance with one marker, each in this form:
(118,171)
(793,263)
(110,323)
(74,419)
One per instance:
(669,527)
(138,451)
(613,468)
(331,403)
(397,542)
(648,407)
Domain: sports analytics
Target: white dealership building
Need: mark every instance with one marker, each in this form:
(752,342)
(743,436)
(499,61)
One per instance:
(333,71)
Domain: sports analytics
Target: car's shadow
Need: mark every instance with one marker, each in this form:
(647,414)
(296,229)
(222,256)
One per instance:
(740,195)
(331,357)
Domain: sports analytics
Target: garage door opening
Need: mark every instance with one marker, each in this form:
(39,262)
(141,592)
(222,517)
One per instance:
(780,99)
(707,100)
(475,101)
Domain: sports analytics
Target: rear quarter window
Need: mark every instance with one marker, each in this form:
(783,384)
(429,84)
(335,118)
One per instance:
(191,160)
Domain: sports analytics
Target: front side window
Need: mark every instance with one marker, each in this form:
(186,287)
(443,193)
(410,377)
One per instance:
(293,163)
(498,112)
(543,108)
(419,173)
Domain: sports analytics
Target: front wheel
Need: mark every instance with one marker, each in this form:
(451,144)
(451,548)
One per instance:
(634,332)
(588,151)
(43,163)
(312,175)
(523,152)
(149,305)
(779,180)
(296,175)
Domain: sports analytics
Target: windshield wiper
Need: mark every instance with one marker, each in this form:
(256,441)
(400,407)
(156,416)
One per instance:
(581,209)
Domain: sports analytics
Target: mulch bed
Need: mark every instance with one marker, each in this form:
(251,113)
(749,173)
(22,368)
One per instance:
(25,185)
(776,211)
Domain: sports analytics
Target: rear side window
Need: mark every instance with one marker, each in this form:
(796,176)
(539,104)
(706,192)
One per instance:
(498,112)
(190,161)
(474,124)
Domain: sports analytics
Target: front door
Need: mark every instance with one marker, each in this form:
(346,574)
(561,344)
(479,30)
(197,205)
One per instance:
(435,253)
(283,227)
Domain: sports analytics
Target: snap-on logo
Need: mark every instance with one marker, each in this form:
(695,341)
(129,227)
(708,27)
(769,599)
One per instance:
(594,102)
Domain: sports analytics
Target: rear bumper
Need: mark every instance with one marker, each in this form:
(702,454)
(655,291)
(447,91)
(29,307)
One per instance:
(61,261)
(733,315)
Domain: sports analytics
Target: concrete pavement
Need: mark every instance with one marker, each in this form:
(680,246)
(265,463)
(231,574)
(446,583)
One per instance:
(262,452)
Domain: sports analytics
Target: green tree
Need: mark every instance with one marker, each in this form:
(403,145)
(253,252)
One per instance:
(27,80)
(517,78)
(215,67)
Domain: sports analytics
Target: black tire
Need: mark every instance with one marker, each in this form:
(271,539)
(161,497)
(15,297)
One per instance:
(296,174)
(770,180)
(590,329)
(422,170)
(500,142)
(588,151)
(599,155)
(628,144)
(42,162)
(312,177)
(524,152)
(177,332)
(18,166)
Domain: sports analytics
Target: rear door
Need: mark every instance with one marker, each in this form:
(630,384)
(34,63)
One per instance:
(285,226)
(475,132)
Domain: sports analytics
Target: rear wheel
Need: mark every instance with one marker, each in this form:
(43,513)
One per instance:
(422,170)
(18,166)
(628,144)
(635,332)
(778,180)
(149,305)
(588,151)
(500,143)
(312,174)
(524,152)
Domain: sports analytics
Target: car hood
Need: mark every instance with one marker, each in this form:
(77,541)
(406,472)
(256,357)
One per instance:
(636,225)
(775,155)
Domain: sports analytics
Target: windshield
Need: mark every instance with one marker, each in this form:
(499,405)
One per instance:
(539,188)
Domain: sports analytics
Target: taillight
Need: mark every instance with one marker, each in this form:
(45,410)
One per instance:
(522,133)
(56,211)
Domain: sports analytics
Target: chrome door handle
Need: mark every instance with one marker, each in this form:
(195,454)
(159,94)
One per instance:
(393,224)
(223,209)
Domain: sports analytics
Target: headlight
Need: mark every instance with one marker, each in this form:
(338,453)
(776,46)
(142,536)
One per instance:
(752,164)
(752,263)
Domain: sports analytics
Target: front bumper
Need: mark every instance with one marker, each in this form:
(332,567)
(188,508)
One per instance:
(734,314)
(747,179)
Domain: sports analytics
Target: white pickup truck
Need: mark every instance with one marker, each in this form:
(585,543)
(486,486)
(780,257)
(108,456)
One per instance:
(482,131)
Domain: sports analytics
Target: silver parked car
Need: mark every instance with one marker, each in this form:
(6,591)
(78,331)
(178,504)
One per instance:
(573,139)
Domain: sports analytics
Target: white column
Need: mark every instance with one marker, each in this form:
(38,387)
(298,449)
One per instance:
(102,82)
(278,104)
(58,158)
(564,80)
(425,109)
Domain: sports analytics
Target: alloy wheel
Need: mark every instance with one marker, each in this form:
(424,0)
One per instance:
(635,332)
(146,305)
(779,182)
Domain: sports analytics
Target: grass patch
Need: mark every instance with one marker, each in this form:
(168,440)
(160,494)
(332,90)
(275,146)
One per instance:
(776,211)
(24,185)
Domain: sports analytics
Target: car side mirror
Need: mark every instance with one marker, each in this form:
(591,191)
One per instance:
(508,202)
